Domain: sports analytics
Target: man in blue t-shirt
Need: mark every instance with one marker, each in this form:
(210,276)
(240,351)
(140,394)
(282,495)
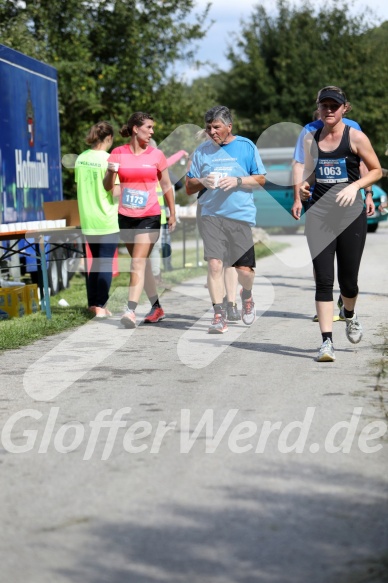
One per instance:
(229,168)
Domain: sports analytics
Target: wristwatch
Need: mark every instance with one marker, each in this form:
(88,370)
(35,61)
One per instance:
(368,191)
(239,181)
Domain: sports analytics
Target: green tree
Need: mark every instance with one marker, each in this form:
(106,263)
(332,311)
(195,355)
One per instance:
(113,58)
(279,62)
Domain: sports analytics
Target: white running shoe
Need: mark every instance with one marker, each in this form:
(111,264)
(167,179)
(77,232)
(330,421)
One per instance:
(248,313)
(326,352)
(353,329)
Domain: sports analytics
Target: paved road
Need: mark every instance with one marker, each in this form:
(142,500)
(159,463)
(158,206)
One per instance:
(254,499)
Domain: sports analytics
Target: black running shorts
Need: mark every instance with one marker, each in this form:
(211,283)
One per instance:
(130,227)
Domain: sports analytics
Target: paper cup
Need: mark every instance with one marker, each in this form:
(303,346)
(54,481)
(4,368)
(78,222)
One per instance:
(216,176)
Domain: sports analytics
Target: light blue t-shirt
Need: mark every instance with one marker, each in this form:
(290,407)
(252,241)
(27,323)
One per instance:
(313,127)
(239,157)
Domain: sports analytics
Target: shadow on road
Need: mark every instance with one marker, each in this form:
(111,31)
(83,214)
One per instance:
(259,531)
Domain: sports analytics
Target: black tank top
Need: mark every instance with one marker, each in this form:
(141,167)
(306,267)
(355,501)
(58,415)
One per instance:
(337,169)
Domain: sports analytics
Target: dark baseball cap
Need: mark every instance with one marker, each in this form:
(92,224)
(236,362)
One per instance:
(332,94)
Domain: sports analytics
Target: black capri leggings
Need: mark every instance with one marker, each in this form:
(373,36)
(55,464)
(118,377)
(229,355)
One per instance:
(348,246)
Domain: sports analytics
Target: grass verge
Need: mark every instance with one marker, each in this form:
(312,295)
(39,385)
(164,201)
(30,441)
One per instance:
(19,332)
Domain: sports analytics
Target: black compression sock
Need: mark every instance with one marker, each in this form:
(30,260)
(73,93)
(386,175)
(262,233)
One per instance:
(326,335)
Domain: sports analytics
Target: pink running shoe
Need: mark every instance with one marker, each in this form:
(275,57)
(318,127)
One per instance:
(128,319)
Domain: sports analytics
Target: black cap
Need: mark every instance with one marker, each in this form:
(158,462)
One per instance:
(332,94)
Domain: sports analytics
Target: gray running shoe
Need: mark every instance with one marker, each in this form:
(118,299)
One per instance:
(353,329)
(232,314)
(218,325)
(224,307)
(326,352)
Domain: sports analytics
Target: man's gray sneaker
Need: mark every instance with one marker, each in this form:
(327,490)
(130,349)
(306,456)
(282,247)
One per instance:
(232,314)
(353,329)
(326,352)
(224,307)
(218,325)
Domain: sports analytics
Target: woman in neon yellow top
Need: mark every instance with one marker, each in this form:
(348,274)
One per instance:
(98,214)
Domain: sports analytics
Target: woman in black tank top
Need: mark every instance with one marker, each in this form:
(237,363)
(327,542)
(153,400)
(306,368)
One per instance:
(336,221)
(336,169)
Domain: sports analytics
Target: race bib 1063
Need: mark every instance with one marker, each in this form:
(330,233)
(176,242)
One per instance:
(331,171)
(134,199)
